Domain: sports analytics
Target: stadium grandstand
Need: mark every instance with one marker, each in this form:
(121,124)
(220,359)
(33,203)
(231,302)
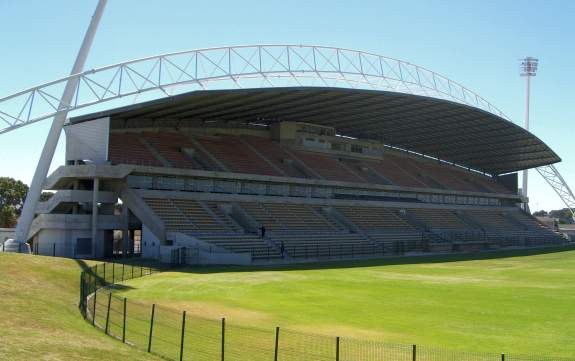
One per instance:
(290,174)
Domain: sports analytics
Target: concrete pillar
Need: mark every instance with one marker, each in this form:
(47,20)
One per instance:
(96,250)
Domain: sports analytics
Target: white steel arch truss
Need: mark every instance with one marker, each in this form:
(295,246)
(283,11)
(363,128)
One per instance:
(559,185)
(247,66)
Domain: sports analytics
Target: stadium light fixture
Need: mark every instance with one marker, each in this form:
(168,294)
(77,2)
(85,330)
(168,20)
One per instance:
(529,66)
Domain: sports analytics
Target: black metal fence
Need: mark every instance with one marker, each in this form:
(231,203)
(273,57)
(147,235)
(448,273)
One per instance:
(177,335)
(105,274)
(446,242)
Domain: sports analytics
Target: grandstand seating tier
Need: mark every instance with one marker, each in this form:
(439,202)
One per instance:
(306,231)
(263,156)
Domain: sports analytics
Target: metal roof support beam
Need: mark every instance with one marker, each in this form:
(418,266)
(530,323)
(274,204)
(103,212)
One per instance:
(400,116)
(479,153)
(556,181)
(203,105)
(471,143)
(398,123)
(252,109)
(287,110)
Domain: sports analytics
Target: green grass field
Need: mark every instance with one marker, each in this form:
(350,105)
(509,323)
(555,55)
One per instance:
(519,303)
(39,316)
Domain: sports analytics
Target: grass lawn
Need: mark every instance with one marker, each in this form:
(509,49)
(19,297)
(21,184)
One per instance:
(520,303)
(39,316)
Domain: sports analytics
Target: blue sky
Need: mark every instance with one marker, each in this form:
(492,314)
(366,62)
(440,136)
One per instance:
(477,43)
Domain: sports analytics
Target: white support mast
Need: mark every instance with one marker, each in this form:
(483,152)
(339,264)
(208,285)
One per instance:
(528,70)
(29,210)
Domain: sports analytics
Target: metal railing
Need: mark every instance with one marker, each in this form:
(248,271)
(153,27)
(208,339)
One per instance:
(437,242)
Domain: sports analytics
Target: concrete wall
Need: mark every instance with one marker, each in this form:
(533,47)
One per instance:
(6,233)
(61,242)
(150,244)
(88,141)
(209,258)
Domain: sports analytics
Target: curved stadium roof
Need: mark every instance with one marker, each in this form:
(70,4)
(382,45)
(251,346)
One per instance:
(440,128)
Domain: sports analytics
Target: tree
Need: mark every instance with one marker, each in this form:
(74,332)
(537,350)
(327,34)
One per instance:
(12,196)
(44,196)
(564,213)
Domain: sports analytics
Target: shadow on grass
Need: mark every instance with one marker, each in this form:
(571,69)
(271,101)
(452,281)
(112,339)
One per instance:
(120,287)
(118,271)
(373,262)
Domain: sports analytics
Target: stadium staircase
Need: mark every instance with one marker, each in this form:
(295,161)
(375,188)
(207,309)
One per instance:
(256,151)
(157,155)
(212,161)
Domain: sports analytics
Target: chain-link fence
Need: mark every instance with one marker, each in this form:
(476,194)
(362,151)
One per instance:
(175,335)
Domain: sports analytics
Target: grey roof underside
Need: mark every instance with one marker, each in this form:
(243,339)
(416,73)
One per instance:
(443,129)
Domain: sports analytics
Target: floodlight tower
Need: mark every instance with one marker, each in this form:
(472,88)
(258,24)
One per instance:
(528,70)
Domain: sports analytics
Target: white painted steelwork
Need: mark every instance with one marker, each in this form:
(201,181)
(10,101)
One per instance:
(559,185)
(60,115)
(249,66)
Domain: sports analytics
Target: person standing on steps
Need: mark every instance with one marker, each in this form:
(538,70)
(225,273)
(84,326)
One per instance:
(262,231)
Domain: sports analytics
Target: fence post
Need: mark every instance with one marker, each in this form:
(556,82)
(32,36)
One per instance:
(223,337)
(54,250)
(104,274)
(151,328)
(502,357)
(124,323)
(132,272)
(108,312)
(182,337)
(414,353)
(277,344)
(113,272)
(95,269)
(141,271)
(337,348)
(94,307)
(82,291)
(123,272)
